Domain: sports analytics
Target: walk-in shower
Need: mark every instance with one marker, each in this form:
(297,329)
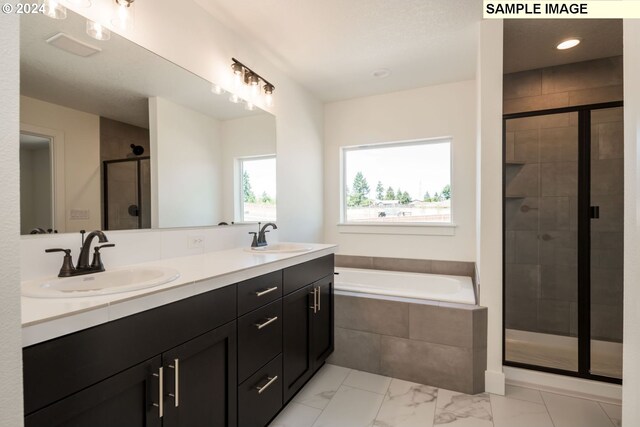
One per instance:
(126,193)
(563,240)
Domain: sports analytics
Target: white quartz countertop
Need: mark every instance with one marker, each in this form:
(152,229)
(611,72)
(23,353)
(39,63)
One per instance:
(47,318)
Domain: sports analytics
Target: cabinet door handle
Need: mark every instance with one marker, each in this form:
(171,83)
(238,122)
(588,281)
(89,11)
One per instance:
(315,302)
(268,322)
(270,381)
(266,291)
(176,377)
(160,404)
(319,297)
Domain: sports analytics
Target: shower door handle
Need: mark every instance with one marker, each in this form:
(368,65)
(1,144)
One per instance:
(594,212)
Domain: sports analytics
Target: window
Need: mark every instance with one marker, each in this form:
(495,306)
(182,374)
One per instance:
(402,182)
(257,189)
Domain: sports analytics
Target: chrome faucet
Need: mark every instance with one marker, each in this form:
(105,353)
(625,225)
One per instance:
(260,238)
(83,266)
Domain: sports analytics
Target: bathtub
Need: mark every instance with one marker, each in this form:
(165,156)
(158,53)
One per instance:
(413,286)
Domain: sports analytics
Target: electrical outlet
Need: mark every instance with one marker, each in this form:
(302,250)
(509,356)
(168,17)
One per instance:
(195,242)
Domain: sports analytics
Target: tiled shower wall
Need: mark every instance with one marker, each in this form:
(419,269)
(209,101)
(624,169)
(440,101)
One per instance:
(541,199)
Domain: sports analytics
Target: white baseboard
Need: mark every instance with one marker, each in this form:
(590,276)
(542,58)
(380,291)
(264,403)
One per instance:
(494,382)
(570,386)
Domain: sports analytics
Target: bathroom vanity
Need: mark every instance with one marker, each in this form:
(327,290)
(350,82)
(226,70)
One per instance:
(231,354)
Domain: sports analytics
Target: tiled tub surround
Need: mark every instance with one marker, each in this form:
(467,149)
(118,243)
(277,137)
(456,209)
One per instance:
(45,319)
(440,344)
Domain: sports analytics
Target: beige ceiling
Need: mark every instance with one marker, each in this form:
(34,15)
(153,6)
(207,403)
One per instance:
(531,43)
(333,46)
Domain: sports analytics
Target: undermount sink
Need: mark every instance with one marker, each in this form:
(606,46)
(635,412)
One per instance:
(280,248)
(105,283)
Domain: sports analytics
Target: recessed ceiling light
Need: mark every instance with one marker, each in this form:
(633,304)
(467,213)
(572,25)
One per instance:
(568,44)
(381,73)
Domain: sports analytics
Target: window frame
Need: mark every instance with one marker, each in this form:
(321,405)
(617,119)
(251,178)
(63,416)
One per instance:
(445,228)
(237,190)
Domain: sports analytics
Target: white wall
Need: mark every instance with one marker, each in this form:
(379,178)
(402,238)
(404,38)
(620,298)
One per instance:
(428,112)
(489,194)
(186,166)
(81,133)
(631,339)
(191,38)
(10,332)
(244,137)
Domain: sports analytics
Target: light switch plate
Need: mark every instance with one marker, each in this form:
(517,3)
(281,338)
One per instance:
(79,214)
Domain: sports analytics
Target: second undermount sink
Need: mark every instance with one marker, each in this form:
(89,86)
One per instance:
(280,248)
(105,283)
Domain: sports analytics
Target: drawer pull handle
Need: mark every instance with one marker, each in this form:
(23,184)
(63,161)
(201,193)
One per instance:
(315,301)
(267,323)
(176,377)
(319,297)
(266,291)
(270,381)
(160,404)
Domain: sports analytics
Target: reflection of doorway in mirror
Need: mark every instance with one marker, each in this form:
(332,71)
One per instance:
(36,184)
(256,192)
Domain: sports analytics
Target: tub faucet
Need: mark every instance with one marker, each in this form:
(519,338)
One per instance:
(259,238)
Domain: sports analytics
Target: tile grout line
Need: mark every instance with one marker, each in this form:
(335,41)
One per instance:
(384,397)
(602,407)
(547,408)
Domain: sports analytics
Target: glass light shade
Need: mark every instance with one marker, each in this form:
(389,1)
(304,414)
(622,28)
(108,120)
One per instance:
(268,99)
(54,9)
(98,31)
(124,15)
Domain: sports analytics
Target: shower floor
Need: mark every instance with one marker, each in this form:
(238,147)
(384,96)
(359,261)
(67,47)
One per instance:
(561,352)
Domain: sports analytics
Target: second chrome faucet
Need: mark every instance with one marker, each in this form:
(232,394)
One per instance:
(83,266)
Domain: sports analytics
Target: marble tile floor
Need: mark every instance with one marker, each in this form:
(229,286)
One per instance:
(342,397)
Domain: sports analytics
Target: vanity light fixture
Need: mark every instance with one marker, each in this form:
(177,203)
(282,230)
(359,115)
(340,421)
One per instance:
(568,44)
(97,30)
(247,85)
(54,9)
(123,19)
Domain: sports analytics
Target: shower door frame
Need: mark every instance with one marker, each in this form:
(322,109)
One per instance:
(584,239)
(105,188)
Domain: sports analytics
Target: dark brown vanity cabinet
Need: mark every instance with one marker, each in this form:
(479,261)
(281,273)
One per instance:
(229,357)
(308,323)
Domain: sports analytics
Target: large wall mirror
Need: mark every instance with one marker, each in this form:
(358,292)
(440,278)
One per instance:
(115,137)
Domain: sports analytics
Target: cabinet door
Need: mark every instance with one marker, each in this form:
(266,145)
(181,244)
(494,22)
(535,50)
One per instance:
(200,381)
(297,312)
(124,400)
(322,332)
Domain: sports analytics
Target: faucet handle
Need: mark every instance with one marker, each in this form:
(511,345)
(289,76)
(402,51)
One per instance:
(67,268)
(96,263)
(254,243)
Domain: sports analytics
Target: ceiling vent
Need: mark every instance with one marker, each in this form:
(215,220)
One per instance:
(72,45)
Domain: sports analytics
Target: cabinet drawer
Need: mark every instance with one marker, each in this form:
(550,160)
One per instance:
(304,274)
(259,338)
(260,396)
(256,292)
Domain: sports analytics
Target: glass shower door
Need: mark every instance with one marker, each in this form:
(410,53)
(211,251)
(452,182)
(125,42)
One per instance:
(607,185)
(127,194)
(541,240)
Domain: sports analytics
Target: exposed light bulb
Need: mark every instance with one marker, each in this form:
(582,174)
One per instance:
(568,44)
(97,30)
(123,19)
(53,9)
